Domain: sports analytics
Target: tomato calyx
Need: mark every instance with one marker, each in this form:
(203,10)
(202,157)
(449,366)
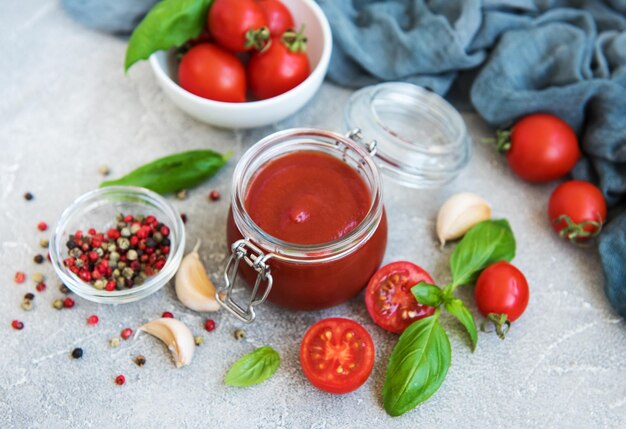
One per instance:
(578,232)
(257,38)
(500,321)
(295,41)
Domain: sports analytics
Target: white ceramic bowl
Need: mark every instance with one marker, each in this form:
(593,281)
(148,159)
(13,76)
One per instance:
(255,113)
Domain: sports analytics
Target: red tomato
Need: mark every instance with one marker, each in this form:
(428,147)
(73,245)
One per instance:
(279,19)
(276,70)
(337,355)
(501,294)
(389,299)
(238,25)
(542,148)
(577,210)
(212,72)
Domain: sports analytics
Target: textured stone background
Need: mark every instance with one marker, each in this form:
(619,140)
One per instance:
(66,107)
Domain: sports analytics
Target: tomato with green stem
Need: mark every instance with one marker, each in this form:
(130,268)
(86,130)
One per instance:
(577,210)
(501,295)
(337,355)
(540,147)
(282,66)
(279,18)
(388,296)
(238,25)
(210,71)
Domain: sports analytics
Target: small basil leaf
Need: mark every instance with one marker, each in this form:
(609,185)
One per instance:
(486,243)
(456,308)
(417,366)
(253,368)
(175,172)
(427,294)
(170,23)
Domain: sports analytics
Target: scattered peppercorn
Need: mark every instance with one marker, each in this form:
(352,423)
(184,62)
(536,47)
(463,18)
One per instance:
(37,277)
(93,320)
(42,226)
(26,305)
(20,277)
(29,296)
(16,324)
(104,170)
(44,243)
(209,325)
(198,340)
(58,304)
(167,314)
(38,259)
(214,195)
(126,333)
(183,217)
(64,289)
(40,287)
(114,342)
(77,353)
(240,334)
(28,196)
(182,194)
(68,303)
(140,360)
(120,379)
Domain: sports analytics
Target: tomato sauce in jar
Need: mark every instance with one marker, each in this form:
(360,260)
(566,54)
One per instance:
(311,202)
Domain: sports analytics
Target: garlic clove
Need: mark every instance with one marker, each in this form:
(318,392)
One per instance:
(193,286)
(459,214)
(176,336)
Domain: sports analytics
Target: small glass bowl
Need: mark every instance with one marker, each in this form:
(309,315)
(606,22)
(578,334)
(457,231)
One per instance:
(97,209)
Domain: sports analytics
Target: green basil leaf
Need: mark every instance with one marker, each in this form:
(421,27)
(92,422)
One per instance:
(253,368)
(417,366)
(170,23)
(427,294)
(174,172)
(456,308)
(485,244)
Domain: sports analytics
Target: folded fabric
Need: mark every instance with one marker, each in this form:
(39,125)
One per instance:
(112,16)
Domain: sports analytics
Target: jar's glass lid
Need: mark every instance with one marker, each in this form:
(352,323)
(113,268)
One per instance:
(421,140)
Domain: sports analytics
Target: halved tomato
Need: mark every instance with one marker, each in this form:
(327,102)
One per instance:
(337,355)
(389,299)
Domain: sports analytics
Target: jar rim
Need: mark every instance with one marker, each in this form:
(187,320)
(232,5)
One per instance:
(298,139)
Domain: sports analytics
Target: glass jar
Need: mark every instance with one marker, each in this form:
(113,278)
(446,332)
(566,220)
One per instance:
(412,135)
(302,277)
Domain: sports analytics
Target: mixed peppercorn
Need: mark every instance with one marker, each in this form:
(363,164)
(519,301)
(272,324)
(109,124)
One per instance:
(123,257)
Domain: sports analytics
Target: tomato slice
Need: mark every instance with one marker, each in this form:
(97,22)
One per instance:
(337,355)
(389,299)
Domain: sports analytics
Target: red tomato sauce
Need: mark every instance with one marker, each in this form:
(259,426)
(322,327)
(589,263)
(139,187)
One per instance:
(307,198)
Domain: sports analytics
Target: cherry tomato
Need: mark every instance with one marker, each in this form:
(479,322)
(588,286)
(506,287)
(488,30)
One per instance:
(277,69)
(238,25)
(337,355)
(212,72)
(501,294)
(541,148)
(389,299)
(279,19)
(577,210)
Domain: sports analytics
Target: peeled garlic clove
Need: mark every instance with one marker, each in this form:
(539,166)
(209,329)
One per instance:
(193,286)
(176,336)
(459,214)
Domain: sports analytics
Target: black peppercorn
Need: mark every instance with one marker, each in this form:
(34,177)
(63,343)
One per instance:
(29,296)
(38,259)
(28,196)
(77,353)
(166,242)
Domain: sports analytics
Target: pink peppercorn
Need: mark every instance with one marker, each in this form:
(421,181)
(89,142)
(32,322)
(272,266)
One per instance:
(16,324)
(42,226)
(214,195)
(120,379)
(20,277)
(68,303)
(209,325)
(167,314)
(126,333)
(92,320)
(40,287)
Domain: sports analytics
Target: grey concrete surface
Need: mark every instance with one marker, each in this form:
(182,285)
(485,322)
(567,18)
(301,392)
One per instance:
(66,108)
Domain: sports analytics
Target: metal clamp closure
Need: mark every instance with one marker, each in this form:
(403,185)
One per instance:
(357,135)
(244,250)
